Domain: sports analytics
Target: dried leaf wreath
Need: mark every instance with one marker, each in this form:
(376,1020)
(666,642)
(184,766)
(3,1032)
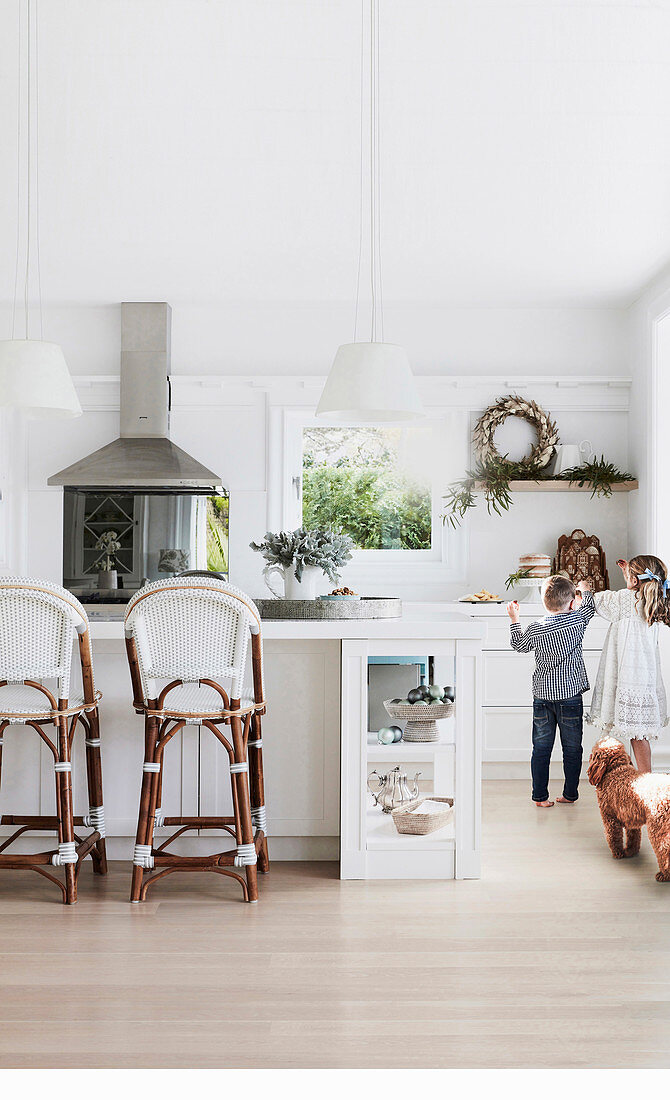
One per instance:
(493,472)
(514,405)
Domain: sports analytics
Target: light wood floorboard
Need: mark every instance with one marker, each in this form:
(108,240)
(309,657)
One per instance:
(558,956)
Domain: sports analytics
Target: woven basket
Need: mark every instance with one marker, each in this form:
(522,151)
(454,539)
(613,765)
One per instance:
(421,720)
(422,824)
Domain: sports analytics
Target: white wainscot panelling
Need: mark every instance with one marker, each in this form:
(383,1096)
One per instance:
(222,425)
(301,738)
(301,742)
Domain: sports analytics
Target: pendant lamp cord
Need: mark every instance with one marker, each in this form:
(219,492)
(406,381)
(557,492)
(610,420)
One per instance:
(377,310)
(19,134)
(37,166)
(27,145)
(28,164)
(375,185)
(361,144)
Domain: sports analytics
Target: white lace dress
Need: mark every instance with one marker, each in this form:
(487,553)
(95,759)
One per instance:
(629,696)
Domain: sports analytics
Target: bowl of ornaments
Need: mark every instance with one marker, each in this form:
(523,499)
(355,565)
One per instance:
(423,708)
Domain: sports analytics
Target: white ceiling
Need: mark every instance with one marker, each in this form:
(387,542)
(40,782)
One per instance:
(207,150)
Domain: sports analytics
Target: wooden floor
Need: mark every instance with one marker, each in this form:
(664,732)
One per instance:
(558,957)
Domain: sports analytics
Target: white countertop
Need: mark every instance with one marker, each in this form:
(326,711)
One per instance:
(420,621)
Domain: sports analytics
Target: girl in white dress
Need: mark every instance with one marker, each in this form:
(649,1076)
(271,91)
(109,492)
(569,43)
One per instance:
(629,697)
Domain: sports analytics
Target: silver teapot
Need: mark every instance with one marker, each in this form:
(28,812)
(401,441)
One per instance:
(392,790)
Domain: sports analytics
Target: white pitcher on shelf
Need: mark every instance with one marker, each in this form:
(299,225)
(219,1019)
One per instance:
(569,455)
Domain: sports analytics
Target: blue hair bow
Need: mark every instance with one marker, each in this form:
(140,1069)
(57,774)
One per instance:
(649,576)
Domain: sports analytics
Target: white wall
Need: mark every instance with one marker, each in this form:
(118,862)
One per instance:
(225,423)
(208,151)
(285,338)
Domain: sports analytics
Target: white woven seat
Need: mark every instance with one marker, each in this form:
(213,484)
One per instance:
(20,703)
(194,699)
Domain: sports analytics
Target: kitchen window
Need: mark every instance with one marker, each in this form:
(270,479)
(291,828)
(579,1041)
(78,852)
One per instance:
(383,486)
(372,482)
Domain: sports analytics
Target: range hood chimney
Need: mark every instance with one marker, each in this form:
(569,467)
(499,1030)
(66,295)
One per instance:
(143,457)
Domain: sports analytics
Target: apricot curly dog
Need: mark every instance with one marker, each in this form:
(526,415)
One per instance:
(629,799)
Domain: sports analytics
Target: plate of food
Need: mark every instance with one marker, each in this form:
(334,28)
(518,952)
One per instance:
(482,597)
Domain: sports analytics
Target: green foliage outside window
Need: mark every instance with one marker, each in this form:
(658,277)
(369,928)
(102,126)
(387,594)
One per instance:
(354,481)
(217,534)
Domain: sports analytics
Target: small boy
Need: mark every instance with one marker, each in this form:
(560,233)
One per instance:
(559,680)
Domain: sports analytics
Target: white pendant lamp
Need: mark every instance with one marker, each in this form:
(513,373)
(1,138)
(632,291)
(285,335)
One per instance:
(33,373)
(371,381)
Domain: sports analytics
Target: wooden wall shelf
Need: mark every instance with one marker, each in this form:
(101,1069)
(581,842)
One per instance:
(560,486)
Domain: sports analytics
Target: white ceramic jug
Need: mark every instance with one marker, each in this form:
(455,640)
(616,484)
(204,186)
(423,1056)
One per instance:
(572,454)
(294,589)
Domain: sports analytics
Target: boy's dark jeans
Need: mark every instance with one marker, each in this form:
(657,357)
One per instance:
(568,714)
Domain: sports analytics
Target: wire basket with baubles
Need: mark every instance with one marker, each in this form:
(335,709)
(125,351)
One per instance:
(423,708)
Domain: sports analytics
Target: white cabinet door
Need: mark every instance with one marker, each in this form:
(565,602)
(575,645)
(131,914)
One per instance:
(507,733)
(508,679)
(301,742)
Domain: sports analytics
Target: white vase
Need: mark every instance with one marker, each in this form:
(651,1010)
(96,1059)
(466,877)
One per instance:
(107,578)
(294,589)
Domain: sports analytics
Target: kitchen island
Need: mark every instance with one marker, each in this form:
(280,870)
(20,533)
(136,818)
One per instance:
(318,750)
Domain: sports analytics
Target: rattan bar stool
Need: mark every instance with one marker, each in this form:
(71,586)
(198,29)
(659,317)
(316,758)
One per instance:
(39,622)
(185,639)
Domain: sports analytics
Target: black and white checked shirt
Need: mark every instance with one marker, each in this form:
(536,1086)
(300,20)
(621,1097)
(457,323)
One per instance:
(556,640)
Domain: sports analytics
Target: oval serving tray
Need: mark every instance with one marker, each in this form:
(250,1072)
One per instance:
(368,607)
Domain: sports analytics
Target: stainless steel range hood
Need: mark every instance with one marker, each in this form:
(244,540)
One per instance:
(143,457)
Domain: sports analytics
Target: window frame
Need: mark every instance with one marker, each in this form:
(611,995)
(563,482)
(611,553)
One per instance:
(447,557)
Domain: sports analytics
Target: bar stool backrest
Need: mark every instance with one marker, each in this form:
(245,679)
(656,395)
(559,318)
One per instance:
(39,622)
(189,629)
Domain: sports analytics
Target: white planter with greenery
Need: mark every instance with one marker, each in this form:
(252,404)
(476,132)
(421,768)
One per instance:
(299,556)
(294,589)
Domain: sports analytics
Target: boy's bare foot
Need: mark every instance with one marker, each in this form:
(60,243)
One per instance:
(569,801)
(545,805)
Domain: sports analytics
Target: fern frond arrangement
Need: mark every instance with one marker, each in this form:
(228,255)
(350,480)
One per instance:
(598,474)
(492,477)
(514,578)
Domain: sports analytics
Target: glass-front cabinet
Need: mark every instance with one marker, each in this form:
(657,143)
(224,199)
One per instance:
(93,514)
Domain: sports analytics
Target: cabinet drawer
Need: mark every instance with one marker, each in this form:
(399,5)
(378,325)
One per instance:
(497,632)
(508,678)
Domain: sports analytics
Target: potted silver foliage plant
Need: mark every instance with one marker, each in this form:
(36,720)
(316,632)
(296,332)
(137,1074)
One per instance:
(299,556)
(109,543)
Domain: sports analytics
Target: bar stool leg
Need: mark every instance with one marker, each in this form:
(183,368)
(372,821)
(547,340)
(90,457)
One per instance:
(142,857)
(257,787)
(3,727)
(67,855)
(94,780)
(240,781)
